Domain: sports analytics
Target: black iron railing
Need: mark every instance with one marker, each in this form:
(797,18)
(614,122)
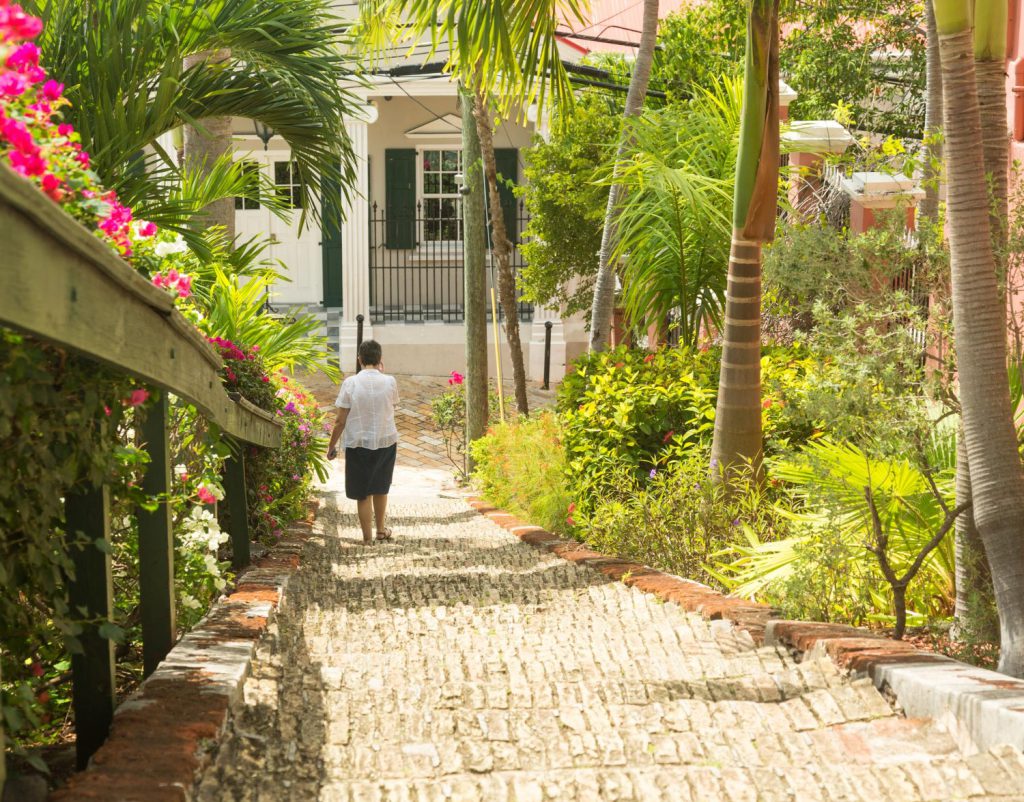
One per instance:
(416,275)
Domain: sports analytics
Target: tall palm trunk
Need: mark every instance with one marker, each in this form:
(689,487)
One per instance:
(604,287)
(979,317)
(929,209)
(737,436)
(205,144)
(474,219)
(973,579)
(502,249)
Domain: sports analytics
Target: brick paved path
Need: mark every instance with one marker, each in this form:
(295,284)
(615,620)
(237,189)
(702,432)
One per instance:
(458,663)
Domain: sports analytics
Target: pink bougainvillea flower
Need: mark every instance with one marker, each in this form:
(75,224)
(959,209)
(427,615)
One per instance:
(206,495)
(19,25)
(106,410)
(52,90)
(147,229)
(668,435)
(456,378)
(137,398)
(65,129)
(23,57)
(13,84)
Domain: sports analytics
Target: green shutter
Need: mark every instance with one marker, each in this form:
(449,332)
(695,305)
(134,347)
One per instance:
(330,245)
(507,162)
(400,197)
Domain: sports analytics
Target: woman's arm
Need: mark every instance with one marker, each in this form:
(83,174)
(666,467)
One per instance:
(339,427)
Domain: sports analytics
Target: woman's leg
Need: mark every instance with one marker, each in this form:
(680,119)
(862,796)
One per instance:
(380,508)
(364,506)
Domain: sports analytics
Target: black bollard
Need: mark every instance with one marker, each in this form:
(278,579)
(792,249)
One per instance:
(547,354)
(359,338)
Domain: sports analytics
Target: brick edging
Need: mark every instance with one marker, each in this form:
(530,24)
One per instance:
(159,737)
(981,708)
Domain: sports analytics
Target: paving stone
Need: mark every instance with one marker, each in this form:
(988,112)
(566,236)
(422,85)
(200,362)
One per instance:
(459,663)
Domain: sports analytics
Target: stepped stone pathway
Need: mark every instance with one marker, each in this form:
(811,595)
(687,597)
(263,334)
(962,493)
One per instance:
(457,663)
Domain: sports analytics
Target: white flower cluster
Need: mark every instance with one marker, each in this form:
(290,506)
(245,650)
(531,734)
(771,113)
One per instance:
(167,248)
(200,533)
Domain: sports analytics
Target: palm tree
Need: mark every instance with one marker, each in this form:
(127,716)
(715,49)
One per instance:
(506,54)
(673,225)
(979,318)
(737,434)
(124,66)
(604,284)
(974,580)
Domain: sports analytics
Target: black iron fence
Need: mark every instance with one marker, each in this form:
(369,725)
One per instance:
(417,264)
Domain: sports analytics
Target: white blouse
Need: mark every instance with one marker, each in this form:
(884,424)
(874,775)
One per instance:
(370,396)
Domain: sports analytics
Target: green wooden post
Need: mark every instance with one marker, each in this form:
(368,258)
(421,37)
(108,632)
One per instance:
(91,595)
(156,543)
(234,490)
(3,766)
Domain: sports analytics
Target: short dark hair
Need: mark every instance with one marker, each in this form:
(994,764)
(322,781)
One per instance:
(369,352)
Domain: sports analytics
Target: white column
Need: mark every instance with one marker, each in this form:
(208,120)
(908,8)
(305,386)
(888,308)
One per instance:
(541,317)
(355,251)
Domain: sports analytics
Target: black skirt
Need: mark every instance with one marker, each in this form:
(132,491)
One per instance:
(368,471)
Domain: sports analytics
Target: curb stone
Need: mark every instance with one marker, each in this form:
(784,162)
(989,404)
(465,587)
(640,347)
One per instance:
(159,738)
(981,709)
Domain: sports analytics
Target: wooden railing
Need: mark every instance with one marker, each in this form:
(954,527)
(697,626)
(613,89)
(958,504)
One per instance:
(63,285)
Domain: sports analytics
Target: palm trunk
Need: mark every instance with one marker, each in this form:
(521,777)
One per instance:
(738,437)
(929,209)
(604,286)
(979,316)
(474,219)
(205,144)
(502,248)
(974,602)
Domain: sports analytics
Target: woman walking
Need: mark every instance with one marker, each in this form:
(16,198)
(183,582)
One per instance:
(366,418)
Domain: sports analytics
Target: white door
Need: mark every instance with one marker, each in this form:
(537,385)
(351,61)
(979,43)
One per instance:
(299,252)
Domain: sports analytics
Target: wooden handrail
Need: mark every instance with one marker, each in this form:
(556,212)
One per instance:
(62,284)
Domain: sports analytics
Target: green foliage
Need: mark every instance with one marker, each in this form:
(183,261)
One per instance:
(236,312)
(676,519)
(521,468)
(566,201)
(866,55)
(449,411)
(673,226)
(825,570)
(123,64)
(61,424)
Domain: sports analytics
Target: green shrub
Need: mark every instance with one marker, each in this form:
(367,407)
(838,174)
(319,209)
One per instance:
(520,467)
(626,411)
(675,519)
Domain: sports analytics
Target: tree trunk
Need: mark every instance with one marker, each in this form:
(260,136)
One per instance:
(203,148)
(737,437)
(474,221)
(974,602)
(979,316)
(501,248)
(974,614)
(604,286)
(929,209)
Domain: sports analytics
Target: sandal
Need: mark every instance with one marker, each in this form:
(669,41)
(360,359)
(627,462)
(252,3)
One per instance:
(385,534)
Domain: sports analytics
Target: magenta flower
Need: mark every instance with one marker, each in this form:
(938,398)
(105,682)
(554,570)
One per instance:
(52,90)
(23,57)
(12,84)
(456,378)
(137,398)
(147,229)
(206,496)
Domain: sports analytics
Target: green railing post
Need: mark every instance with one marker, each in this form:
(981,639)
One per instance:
(156,543)
(234,491)
(91,595)
(3,765)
